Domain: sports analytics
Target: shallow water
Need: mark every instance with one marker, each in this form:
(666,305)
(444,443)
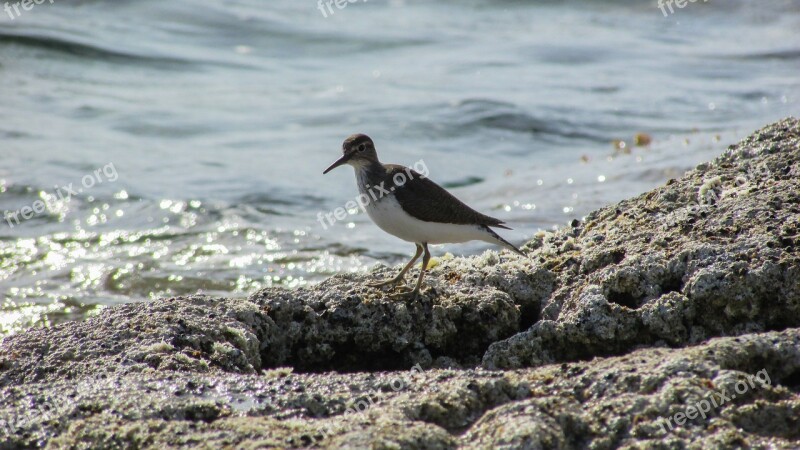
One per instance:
(218,118)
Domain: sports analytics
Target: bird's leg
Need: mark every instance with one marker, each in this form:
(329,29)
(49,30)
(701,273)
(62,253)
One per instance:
(425,260)
(413,292)
(402,273)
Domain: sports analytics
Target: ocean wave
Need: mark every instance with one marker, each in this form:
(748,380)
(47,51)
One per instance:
(92,51)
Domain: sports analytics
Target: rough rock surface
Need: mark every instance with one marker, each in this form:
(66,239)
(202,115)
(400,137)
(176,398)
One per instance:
(712,254)
(649,288)
(754,381)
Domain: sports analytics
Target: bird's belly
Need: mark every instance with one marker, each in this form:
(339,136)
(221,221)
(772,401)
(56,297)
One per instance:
(391,218)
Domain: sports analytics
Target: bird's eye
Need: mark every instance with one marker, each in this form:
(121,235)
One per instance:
(362,147)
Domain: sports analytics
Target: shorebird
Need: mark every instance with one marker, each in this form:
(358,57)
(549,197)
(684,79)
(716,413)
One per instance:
(406,204)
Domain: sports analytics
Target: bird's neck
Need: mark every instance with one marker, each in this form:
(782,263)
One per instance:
(370,174)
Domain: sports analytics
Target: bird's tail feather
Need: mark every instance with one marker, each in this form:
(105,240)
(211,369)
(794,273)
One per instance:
(499,240)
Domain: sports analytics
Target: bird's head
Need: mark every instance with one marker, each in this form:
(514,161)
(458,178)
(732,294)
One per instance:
(358,150)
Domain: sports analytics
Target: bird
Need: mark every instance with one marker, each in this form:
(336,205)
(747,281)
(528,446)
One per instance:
(407,204)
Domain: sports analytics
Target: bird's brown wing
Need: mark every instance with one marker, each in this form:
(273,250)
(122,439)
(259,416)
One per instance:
(426,200)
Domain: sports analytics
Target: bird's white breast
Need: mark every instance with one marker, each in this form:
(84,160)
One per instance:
(387,213)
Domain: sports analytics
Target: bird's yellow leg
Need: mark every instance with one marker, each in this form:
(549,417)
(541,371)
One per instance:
(401,275)
(425,260)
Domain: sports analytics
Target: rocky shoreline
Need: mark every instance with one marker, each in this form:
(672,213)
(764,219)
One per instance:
(670,320)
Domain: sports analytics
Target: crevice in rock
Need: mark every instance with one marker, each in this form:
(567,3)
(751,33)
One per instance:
(529,315)
(792,381)
(349,359)
(625,299)
(672,284)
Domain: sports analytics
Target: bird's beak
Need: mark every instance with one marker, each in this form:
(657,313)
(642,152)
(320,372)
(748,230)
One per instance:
(339,162)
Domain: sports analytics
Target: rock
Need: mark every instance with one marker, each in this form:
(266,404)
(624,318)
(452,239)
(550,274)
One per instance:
(751,384)
(341,324)
(610,334)
(712,254)
(198,334)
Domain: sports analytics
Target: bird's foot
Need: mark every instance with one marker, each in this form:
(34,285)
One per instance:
(389,282)
(404,292)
